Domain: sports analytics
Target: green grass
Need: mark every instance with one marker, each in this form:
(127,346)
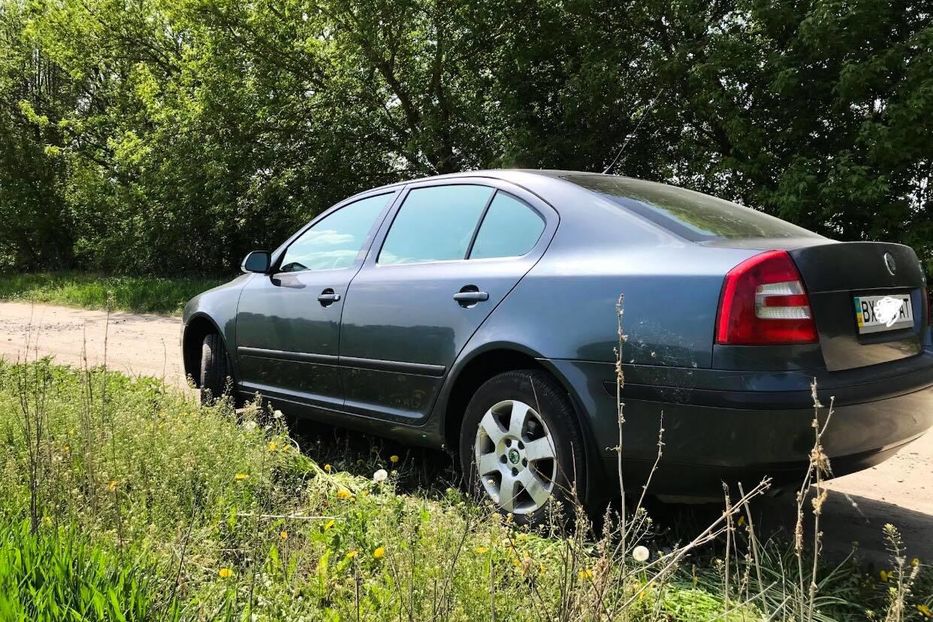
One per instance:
(139,294)
(60,574)
(124,499)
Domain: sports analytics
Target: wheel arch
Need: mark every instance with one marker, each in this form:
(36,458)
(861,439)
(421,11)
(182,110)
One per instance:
(196,329)
(491,360)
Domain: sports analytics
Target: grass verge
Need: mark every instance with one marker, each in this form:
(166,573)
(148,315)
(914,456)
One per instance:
(138,294)
(123,499)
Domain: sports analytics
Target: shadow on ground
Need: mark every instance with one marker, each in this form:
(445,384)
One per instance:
(425,471)
(846,520)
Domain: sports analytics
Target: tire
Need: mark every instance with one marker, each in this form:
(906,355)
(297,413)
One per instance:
(539,459)
(214,368)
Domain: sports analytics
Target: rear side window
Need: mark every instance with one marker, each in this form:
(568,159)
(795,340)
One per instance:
(510,229)
(435,224)
(336,240)
(691,215)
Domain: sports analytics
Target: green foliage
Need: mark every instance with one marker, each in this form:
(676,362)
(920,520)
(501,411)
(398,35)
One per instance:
(169,136)
(123,499)
(91,291)
(58,574)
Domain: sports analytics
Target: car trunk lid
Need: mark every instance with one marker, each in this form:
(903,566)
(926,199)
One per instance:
(847,283)
(840,275)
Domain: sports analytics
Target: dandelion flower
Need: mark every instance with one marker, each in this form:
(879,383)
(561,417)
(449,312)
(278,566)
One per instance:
(240,477)
(380,552)
(925,611)
(352,554)
(585,575)
(343,494)
(225,573)
(283,535)
(272,445)
(380,476)
(482,550)
(641,553)
(328,468)
(393,459)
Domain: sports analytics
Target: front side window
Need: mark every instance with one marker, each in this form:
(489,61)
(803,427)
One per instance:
(336,241)
(510,229)
(435,224)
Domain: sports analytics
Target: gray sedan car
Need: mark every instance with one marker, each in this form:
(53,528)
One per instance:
(476,312)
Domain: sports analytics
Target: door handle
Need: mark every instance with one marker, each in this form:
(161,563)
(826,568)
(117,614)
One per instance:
(328,297)
(469,295)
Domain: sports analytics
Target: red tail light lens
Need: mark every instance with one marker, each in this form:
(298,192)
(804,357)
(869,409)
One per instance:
(764,302)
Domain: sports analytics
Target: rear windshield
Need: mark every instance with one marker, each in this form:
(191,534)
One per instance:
(691,215)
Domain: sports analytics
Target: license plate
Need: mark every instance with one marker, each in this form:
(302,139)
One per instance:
(875,314)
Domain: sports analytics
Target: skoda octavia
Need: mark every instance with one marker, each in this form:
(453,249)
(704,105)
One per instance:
(476,312)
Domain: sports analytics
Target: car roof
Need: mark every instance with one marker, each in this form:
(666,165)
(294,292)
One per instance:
(496,173)
(519,176)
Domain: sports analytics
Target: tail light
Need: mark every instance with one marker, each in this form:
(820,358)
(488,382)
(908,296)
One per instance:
(764,302)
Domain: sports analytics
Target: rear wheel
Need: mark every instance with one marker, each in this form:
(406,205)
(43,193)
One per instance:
(214,368)
(519,444)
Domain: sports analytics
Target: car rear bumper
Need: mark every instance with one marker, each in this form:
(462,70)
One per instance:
(713,435)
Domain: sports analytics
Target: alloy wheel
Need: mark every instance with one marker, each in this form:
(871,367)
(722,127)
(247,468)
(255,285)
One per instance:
(515,457)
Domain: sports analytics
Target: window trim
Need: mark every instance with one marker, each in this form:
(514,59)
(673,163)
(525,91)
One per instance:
(482,220)
(401,204)
(532,201)
(279,254)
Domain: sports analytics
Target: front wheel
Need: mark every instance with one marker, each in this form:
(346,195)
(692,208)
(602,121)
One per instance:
(519,444)
(214,368)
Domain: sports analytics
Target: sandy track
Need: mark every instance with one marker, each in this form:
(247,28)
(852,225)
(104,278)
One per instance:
(899,491)
(143,345)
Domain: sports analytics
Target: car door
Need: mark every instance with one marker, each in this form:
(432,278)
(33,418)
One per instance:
(288,322)
(448,255)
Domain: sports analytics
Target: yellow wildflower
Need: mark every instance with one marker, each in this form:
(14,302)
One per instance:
(585,575)
(925,611)
(272,446)
(915,562)
(482,550)
(329,524)
(885,575)
(328,468)
(393,459)
(380,552)
(343,494)
(112,486)
(225,573)
(240,477)
(352,554)
(283,535)
(741,521)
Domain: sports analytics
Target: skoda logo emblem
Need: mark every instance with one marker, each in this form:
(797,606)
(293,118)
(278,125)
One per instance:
(889,263)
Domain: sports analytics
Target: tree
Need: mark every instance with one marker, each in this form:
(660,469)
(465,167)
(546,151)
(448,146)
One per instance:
(174,135)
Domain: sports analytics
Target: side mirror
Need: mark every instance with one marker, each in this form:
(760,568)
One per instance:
(257,261)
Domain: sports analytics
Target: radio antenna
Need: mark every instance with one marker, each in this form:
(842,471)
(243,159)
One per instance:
(628,138)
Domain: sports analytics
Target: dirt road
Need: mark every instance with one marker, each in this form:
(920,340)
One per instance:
(899,491)
(142,345)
